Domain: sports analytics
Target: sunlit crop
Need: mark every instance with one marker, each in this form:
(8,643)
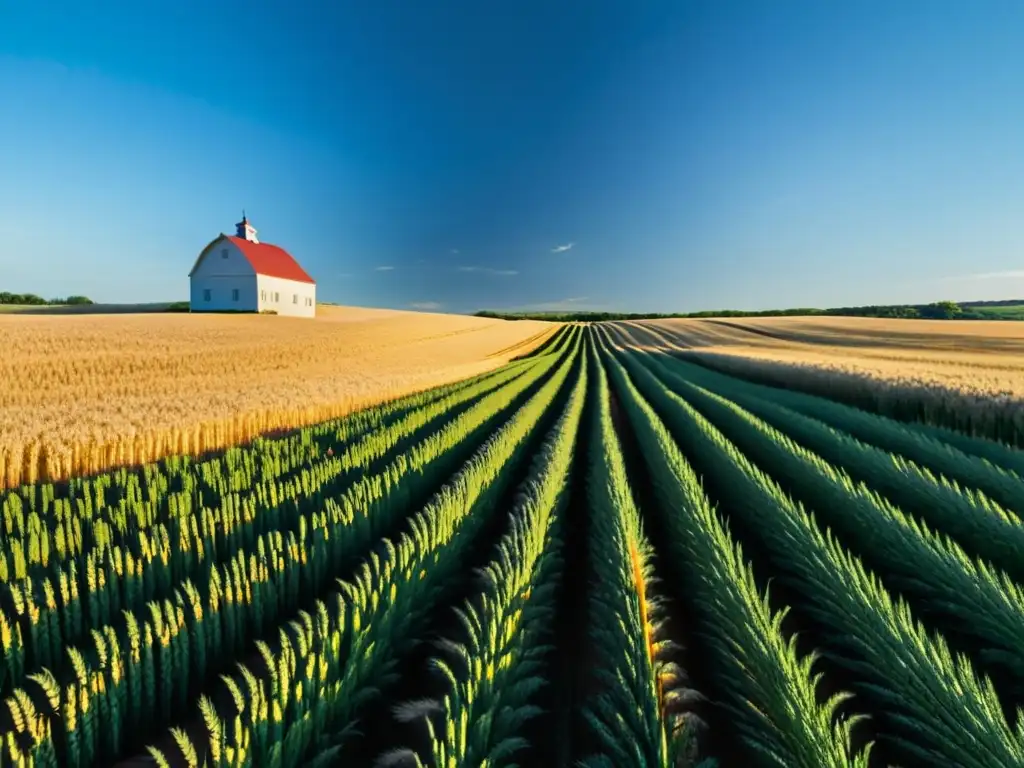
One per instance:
(601,554)
(79,394)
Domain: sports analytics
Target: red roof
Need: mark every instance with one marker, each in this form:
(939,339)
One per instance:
(270,260)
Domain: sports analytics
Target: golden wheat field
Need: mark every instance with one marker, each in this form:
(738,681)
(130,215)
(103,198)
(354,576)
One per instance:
(80,393)
(969,372)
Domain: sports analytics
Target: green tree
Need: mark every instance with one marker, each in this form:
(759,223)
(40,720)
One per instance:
(943,310)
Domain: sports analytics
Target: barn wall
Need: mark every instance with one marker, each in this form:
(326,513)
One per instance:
(293,299)
(216,264)
(221,288)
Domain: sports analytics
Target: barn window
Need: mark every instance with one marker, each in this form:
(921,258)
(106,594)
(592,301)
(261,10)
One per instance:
(224,253)
(277,297)
(234,294)
(206,294)
(295,298)
(263,295)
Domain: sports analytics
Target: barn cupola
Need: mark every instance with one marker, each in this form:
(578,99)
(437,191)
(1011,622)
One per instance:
(245,230)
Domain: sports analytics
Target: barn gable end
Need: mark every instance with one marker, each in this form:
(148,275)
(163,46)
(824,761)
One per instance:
(240,274)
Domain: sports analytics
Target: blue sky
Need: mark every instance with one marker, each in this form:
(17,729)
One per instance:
(695,154)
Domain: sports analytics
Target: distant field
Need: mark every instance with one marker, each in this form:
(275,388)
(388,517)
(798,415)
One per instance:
(83,309)
(79,394)
(1007,312)
(968,374)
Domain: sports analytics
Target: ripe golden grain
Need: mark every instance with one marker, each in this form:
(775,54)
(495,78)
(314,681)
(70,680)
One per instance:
(79,394)
(964,374)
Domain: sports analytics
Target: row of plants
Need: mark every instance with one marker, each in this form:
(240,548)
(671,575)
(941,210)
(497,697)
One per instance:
(630,709)
(971,602)
(769,691)
(976,462)
(965,514)
(92,591)
(358,634)
(503,660)
(926,702)
(227,607)
(48,524)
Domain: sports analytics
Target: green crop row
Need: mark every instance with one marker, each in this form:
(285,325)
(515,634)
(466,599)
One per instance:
(216,615)
(496,672)
(930,704)
(43,529)
(150,564)
(964,597)
(630,712)
(356,636)
(768,689)
(969,517)
(986,465)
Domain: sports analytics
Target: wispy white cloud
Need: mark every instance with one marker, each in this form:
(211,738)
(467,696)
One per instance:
(384,269)
(489,270)
(562,248)
(426,306)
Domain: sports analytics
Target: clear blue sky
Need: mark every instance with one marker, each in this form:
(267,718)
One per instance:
(696,154)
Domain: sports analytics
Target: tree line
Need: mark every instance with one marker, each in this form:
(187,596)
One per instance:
(939,310)
(30,299)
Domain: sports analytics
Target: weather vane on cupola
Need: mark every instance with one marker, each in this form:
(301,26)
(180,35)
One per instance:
(245,230)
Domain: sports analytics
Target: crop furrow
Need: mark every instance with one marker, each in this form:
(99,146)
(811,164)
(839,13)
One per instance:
(1000,474)
(154,563)
(978,608)
(768,689)
(497,671)
(636,690)
(416,680)
(358,634)
(284,571)
(927,704)
(981,526)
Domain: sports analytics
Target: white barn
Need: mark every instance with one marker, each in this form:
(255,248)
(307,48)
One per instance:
(241,274)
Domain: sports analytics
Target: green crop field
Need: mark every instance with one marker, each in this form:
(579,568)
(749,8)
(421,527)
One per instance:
(1004,312)
(596,555)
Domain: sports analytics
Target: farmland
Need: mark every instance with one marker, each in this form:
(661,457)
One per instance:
(609,550)
(81,394)
(967,375)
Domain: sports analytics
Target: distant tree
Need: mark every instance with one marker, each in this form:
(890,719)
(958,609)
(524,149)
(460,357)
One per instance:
(21,298)
(30,299)
(942,310)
